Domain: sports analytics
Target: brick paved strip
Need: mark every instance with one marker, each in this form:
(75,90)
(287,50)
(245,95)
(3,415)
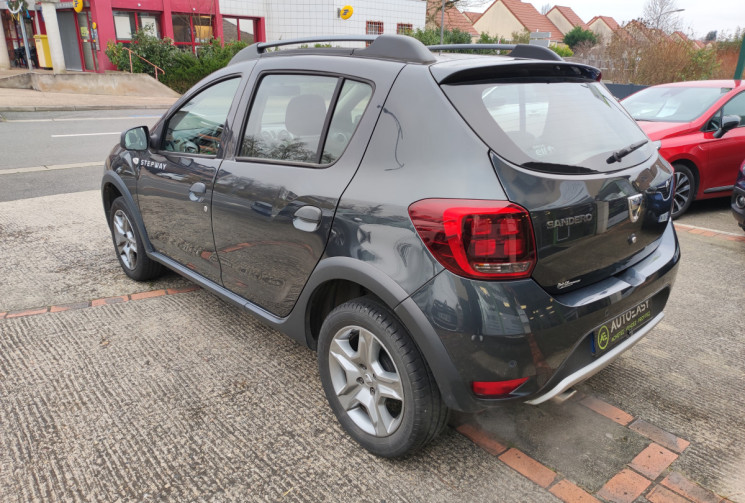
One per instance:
(109,300)
(174,291)
(27,312)
(69,307)
(571,493)
(98,302)
(481,438)
(659,435)
(689,489)
(607,410)
(703,231)
(147,295)
(653,460)
(624,487)
(529,467)
(661,495)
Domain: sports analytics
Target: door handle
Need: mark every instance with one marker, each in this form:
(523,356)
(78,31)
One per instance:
(307,219)
(197,191)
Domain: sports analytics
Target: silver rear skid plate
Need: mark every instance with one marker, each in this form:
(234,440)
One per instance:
(559,392)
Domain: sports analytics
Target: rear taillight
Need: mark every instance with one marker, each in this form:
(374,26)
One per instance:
(476,238)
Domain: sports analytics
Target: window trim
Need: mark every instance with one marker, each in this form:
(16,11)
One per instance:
(167,118)
(341,79)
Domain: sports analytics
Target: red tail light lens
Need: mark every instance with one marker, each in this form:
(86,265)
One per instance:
(476,238)
(492,389)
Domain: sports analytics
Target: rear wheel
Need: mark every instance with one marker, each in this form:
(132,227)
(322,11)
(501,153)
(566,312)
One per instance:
(128,244)
(685,189)
(376,380)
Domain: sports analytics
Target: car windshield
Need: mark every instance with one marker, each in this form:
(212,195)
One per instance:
(672,104)
(552,126)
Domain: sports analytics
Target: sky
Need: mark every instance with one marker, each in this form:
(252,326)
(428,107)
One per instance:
(699,16)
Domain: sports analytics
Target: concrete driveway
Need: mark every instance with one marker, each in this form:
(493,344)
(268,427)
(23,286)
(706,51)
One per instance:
(112,390)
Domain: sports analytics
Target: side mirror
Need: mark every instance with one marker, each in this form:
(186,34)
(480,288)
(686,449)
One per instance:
(728,122)
(135,138)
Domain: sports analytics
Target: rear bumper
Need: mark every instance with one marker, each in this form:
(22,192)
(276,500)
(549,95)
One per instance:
(498,331)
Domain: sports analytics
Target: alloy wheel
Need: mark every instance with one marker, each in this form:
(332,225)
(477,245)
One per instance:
(366,381)
(124,237)
(682,192)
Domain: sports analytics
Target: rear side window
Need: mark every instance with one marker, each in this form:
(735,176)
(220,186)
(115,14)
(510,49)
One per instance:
(553,126)
(197,126)
(303,118)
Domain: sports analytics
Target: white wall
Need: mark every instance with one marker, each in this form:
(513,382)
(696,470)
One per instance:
(287,19)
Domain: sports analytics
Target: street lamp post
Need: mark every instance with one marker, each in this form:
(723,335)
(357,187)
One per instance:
(663,14)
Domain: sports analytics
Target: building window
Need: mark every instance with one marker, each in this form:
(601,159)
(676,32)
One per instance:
(191,30)
(127,23)
(404,29)
(374,28)
(238,29)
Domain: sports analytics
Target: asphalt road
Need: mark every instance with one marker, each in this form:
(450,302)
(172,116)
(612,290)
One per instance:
(113,390)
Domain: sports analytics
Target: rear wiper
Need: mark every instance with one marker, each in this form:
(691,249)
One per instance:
(620,154)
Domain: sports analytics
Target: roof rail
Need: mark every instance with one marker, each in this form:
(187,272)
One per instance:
(393,47)
(517,50)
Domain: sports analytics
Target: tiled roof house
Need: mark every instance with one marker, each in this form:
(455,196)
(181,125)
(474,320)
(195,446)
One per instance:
(565,18)
(603,26)
(505,17)
(454,19)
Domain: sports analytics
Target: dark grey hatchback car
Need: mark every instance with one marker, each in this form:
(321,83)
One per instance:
(448,231)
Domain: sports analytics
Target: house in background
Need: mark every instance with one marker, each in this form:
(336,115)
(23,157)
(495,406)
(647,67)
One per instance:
(565,19)
(603,27)
(505,17)
(454,19)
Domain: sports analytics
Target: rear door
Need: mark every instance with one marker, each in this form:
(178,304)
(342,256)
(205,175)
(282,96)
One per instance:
(303,137)
(597,192)
(175,183)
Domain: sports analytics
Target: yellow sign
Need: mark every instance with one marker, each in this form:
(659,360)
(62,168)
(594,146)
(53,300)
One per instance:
(84,33)
(77,5)
(346,12)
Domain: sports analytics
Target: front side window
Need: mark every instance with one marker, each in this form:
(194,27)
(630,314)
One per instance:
(197,126)
(288,118)
(736,106)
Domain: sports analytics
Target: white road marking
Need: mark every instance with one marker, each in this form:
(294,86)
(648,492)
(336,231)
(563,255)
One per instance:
(50,167)
(73,119)
(709,230)
(83,134)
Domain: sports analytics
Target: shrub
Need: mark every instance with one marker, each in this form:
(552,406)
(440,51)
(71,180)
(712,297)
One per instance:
(578,36)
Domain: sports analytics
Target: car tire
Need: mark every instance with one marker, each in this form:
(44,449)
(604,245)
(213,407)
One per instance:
(685,190)
(383,392)
(128,244)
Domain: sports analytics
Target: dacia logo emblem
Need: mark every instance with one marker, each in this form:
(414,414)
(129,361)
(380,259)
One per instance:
(635,207)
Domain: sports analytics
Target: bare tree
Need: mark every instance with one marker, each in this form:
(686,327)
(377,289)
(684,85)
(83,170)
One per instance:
(662,15)
(545,8)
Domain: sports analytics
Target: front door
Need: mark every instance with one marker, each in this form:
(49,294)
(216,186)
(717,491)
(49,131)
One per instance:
(725,154)
(69,36)
(175,185)
(275,199)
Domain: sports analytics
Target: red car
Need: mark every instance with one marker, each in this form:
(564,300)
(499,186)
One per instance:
(701,126)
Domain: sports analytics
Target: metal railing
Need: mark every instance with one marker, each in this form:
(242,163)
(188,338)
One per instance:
(131,52)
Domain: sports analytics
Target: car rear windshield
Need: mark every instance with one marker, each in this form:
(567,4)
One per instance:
(672,104)
(552,126)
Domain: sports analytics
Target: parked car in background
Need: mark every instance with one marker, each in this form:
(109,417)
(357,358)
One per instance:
(701,125)
(738,197)
(427,222)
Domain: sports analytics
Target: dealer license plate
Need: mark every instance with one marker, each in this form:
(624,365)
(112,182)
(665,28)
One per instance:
(621,327)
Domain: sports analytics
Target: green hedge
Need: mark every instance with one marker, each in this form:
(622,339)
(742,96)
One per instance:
(182,69)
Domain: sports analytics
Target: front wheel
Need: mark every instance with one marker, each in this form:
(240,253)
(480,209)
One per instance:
(685,190)
(130,250)
(376,380)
